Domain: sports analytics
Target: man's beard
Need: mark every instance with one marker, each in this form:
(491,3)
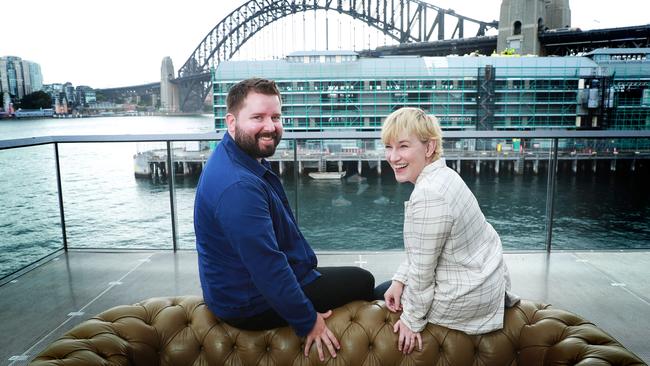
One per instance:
(251,145)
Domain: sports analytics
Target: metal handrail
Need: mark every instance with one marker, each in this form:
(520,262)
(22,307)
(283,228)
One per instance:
(327,134)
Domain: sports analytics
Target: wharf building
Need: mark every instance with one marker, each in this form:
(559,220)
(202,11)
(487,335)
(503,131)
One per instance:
(606,89)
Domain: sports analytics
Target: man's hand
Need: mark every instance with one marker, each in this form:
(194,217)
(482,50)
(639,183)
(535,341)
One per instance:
(393,296)
(407,338)
(320,334)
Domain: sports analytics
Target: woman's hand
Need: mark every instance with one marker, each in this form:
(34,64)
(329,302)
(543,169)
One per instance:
(407,338)
(393,296)
(319,335)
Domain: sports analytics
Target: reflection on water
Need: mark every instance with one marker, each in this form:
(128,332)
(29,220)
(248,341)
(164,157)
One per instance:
(106,207)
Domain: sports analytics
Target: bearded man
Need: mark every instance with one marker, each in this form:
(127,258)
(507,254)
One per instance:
(257,270)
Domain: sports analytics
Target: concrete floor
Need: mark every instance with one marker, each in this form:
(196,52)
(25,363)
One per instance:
(611,289)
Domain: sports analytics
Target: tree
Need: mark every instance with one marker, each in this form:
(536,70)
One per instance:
(100,97)
(36,100)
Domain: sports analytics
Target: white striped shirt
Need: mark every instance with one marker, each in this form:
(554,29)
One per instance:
(454,273)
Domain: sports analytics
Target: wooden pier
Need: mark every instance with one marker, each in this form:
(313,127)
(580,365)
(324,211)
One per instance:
(153,164)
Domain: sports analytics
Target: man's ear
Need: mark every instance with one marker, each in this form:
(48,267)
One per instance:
(230,123)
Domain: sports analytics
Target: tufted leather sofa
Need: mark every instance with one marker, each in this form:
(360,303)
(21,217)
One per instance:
(182,331)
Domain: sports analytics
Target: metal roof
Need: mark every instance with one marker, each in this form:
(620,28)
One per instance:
(618,51)
(401,67)
(323,53)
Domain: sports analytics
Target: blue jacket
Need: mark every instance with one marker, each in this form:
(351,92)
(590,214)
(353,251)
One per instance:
(252,256)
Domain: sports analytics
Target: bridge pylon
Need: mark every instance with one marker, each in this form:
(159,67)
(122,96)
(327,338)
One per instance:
(169,93)
(521,21)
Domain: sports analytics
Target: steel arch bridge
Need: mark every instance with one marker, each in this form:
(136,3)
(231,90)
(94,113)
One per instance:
(406,21)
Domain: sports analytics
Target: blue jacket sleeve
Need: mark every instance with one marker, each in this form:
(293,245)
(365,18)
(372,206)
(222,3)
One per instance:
(244,211)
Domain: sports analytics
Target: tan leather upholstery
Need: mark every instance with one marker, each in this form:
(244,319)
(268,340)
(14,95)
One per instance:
(182,331)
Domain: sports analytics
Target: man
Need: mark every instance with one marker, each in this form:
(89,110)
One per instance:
(257,270)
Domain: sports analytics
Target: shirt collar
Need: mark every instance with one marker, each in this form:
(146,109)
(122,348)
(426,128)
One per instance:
(432,167)
(244,159)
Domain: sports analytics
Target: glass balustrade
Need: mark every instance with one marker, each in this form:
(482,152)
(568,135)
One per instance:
(118,192)
(30,225)
(602,195)
(106,206)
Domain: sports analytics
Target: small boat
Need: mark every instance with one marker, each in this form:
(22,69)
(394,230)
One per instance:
(327,175)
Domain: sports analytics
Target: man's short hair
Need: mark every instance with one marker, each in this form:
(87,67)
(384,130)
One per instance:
(239,92)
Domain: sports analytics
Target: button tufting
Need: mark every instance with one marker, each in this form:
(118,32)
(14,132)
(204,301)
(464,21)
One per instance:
(215,349)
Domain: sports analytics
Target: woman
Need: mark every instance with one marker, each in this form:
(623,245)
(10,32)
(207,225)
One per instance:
(454,274)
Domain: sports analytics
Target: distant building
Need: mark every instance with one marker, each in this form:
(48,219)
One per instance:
(52,89)
(59,94)
(61,104)
(85,95)
(19,77)
(6,101)
(70,96)
(35,76)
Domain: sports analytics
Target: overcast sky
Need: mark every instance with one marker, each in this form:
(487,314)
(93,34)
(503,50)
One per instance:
(122,42)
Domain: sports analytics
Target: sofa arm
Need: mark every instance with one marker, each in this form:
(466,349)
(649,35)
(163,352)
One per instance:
(560,337)
(115,337)
(93,342)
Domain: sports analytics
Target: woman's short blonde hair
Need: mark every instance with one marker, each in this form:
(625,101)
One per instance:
(412,121)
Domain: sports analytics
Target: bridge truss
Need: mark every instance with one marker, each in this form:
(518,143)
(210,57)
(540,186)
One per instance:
(406,21)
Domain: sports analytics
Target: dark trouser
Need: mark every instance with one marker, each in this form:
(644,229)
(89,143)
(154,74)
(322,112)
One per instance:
(381,289)
(335,287)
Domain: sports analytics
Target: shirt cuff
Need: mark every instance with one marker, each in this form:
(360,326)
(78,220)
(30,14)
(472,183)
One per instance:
(415,325)
(400,277)
(303,328)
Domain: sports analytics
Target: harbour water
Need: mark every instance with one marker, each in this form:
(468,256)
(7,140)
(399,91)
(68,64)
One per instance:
(107,207)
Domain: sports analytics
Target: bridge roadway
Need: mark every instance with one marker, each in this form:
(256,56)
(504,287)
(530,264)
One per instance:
(562,42)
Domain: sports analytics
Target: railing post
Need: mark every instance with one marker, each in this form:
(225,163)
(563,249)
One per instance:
(172,194)
(550,193)
(60,192)
(296,176)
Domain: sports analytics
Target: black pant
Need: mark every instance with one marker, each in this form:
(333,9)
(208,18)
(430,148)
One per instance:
(335,287)
(381,289)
